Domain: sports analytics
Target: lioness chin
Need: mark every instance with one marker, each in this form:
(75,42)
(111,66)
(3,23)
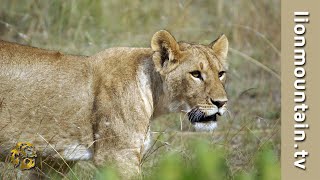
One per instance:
(99,107)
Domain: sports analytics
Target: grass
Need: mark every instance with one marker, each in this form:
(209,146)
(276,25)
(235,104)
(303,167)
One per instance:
(252,27)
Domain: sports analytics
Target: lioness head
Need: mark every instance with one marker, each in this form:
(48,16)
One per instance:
(194,76)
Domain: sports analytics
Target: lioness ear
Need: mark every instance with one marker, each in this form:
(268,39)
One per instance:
(220,47)
(166,50)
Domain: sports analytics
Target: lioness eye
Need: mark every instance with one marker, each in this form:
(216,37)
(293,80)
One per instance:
(221,73)
(196,74)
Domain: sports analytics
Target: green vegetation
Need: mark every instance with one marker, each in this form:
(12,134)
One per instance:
(208,162)
(246,144)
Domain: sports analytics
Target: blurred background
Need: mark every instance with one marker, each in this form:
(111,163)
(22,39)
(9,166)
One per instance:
(247,139)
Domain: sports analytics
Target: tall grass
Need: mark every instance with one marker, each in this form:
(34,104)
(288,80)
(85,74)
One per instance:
(252,27)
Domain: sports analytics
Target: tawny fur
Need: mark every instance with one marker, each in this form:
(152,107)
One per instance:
(103,104)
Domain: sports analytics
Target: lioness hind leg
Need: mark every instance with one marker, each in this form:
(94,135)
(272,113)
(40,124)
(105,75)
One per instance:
(31,174)
(8,171)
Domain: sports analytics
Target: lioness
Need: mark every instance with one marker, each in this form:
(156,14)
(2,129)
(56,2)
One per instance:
(100,107)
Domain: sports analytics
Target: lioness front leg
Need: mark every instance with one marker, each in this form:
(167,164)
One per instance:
(126,161)
(121,149)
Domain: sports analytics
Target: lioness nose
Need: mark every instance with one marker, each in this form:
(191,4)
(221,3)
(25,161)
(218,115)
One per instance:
(219,104)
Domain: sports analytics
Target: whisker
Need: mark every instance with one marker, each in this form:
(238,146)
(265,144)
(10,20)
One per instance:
(192,117)
(229,114)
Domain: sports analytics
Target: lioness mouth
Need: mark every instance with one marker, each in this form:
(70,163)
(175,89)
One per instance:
(197,116)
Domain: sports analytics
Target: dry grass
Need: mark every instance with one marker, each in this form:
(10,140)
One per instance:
(252,27)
